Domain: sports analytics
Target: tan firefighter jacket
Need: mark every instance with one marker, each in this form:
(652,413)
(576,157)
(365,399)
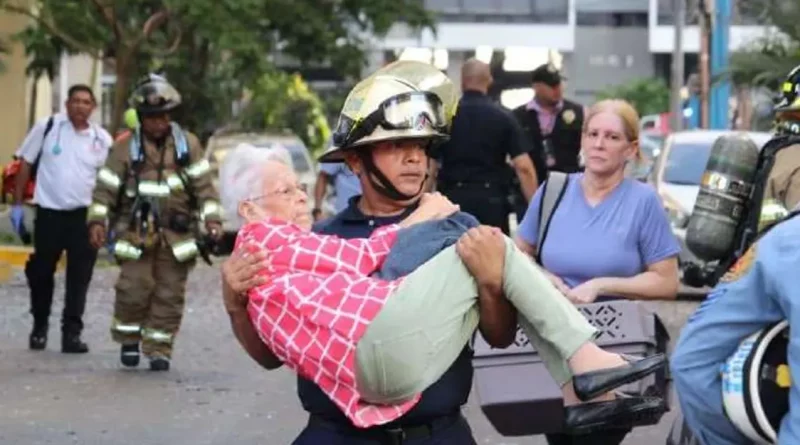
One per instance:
(118,194)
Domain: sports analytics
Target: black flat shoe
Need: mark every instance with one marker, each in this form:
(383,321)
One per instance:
(72,344)
(594,383)
(38,339)
(622,413)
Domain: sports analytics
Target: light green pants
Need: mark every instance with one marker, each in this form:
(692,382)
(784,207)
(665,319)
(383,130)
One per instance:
(426,323)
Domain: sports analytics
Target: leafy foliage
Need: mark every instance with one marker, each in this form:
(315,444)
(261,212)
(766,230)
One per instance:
(213,49)
(766,61)
(281,101)
(648,96)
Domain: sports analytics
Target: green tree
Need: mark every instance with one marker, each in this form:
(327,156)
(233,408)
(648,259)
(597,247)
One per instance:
(44,52)
(766,61)
(212,49)
(648,96)
(282,102)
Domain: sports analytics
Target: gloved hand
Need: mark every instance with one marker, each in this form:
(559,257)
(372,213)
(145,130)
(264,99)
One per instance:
(17,217)
(110,242)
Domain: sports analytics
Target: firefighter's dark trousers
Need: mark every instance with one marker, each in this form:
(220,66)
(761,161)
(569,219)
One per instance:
(148,308)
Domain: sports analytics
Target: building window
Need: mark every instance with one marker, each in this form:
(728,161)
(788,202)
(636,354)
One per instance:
(744,12)
(612,19)
(536,11)
(666,12)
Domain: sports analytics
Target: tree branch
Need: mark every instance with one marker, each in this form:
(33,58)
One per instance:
(51,27)
(107,12)
(151,24)
(171,49)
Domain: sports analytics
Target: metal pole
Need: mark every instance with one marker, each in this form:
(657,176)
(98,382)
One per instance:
(721,90)
(704,62)
(677,66)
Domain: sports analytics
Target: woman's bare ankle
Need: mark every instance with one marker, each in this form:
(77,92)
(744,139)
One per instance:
(589,357)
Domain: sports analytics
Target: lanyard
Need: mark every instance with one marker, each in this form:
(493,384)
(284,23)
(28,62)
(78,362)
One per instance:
(57,146)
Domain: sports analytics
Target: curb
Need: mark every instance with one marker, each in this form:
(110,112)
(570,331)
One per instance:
(15,256)
(12,257)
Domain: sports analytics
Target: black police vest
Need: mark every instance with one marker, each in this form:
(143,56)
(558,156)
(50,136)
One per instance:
(565,138)
(444,397)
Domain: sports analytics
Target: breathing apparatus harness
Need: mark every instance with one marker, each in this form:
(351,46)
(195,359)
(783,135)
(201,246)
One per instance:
(145,209)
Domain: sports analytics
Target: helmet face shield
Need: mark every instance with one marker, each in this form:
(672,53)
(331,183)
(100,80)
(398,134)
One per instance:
(155,95)
(413,111)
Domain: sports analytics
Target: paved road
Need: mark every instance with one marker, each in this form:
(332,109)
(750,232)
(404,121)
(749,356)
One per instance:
(213,395)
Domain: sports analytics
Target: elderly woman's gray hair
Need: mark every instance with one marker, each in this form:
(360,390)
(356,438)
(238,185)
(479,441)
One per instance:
(241,175)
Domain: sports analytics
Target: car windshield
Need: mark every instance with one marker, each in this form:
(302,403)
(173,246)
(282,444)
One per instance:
(649,146)
(686,163)
(299,157)
(297,151)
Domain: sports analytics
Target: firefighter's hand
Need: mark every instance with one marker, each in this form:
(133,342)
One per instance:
(214,230)
(240,274)
(482,250)
(97,235)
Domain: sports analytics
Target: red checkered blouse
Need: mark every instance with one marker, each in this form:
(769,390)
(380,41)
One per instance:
(317,304)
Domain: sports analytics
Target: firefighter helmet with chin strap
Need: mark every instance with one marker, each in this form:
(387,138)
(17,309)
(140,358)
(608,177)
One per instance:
(405,100)
(787,108)
(789,96)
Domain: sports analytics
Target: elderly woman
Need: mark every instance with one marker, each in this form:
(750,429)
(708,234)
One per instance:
(373,344)
(619,220)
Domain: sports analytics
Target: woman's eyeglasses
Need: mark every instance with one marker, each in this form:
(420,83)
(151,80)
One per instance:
(286,192)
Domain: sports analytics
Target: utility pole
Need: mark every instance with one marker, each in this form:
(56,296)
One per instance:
(721,88)
(705,62)
(677,66)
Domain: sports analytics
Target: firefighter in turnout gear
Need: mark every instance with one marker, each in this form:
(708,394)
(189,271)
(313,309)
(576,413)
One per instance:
(757,284)
(782,190)
(154,193)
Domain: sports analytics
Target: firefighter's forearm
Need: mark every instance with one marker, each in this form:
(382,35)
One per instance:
(21,181)
(248,337)
(319,189)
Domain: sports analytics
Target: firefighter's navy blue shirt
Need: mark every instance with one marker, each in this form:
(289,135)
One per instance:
(445,397)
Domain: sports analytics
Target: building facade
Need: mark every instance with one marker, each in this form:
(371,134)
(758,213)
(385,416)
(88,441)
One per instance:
(598,43)
(19,104)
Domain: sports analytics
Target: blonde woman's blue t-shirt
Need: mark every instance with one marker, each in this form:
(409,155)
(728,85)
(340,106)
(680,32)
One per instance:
(619,237)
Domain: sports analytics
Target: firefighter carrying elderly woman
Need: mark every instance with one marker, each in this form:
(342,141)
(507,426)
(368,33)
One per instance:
(154,194)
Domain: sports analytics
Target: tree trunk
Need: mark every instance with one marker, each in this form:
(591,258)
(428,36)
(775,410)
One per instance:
(34,98)
(123,72)
(745,108)
(93,75)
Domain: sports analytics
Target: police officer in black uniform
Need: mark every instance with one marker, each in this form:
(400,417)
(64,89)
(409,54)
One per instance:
(553,126)
(473,170)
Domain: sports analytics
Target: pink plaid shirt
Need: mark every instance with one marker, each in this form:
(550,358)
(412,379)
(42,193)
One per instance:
(317,304)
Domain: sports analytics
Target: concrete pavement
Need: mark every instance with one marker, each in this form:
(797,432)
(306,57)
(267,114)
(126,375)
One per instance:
(214,394)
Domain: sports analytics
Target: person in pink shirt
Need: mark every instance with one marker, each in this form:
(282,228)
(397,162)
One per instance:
(374,345)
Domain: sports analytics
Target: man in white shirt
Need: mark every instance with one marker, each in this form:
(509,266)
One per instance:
(67,155)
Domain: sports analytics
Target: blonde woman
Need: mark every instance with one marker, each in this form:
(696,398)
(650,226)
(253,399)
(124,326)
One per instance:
(609,237)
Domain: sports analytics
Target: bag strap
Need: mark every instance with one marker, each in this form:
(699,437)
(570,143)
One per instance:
(47,128)
(554,189)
